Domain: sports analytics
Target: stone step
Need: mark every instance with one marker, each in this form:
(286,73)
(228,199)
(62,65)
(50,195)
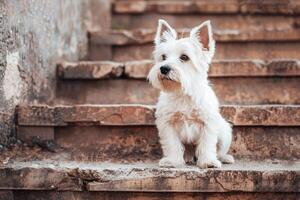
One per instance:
(57,175)
(276,7)
(224,50)
(240,22)
(235,82)
(127,132)
(146,36)
(54,195)
(257,36)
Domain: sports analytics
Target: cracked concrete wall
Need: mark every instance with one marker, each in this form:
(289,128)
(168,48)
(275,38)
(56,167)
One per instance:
(34,36)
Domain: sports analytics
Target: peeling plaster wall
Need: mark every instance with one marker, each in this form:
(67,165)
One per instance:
(34,36)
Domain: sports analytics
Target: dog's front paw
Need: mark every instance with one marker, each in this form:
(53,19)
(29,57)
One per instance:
(226,159)
(167,162)
(209,164)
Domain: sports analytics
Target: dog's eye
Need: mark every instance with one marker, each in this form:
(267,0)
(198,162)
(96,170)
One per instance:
(163,57)
(184,57)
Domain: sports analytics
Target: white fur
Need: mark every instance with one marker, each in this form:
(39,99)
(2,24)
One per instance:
(194,96)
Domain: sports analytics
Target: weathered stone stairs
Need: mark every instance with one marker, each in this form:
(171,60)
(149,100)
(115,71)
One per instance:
(99,141)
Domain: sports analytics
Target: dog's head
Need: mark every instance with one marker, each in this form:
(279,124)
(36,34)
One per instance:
(180,63)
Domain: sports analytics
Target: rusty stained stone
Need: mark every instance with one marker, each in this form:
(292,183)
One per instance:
(85,114)
(140,69)
(141,144)
(90,70)
(52,195)
(262,115)
(59,174)
(221,22)
(34,178)
(114,144)
(257,90)
(266,143)
(258,68)
(230,90)
(251,50)
(246,176)
(254,115)
(105,92)
(215,7)
(145,36)
(28,133)
(271,7)
(229,178)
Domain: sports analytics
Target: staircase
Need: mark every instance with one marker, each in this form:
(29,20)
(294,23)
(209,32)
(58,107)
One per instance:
(99,141)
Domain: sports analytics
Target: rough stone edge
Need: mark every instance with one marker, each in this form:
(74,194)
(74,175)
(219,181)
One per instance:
(90,70)
(74,176)
(140,69)
(145,36)
(31,178)
(142,115)
(234,7)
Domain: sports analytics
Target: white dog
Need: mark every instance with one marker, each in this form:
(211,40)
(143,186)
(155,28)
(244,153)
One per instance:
(188,109)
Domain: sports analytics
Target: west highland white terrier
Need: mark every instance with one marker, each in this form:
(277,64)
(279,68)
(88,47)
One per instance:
(187,111)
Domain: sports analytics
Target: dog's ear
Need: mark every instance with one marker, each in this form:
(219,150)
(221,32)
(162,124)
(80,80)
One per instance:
(203,34)
(164,32)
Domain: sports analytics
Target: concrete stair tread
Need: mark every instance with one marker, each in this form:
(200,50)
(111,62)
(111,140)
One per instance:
(139,69)
(137,115)
(244,175)
(208,6)
(145,36)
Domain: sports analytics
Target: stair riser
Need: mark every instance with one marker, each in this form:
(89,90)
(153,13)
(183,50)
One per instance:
(220,22)
(53,195)
(240,90)
(273,7)
(141,143)
(251,50)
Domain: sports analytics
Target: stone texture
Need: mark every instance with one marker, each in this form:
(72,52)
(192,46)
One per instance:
(96,15)
(237,177)
(266,142)
(251,50)
(97,18)
(257,90)
(262,115)
(257,68)
(90,70)
(141,144)
(7,126)
(255,115)
(35,133)
(109,144)
(247,176)
(215,6)
(109,91)
(234,81)
(143,36)
(37,178)
(85,114)
(230,90)
(126,133)
(140,69)
(238,22)
(33,38)
(52,195)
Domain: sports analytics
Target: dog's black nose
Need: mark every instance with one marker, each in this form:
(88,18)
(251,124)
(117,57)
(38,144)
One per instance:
(165,69)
